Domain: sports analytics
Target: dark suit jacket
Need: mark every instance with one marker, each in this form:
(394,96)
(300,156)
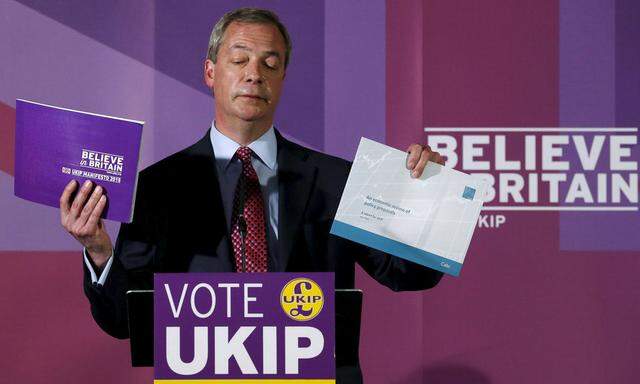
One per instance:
(179,225)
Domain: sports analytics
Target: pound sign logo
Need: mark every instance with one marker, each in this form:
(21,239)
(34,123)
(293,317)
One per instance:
(301,299)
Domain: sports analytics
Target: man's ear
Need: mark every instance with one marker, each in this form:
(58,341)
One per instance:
(208,77)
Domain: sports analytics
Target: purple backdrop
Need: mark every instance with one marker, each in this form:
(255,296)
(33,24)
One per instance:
(548,297)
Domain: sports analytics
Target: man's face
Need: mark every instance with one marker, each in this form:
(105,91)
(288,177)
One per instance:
(248,75)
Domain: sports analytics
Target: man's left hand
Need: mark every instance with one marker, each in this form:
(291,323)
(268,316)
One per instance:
(417,157)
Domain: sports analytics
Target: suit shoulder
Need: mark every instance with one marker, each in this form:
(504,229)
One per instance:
(323,161)
(167,168)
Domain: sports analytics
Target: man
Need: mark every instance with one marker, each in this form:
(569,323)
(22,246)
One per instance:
(242,178)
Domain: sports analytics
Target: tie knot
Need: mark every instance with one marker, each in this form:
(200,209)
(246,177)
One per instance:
(244,154)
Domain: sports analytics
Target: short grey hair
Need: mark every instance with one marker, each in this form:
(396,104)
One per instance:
(246,15)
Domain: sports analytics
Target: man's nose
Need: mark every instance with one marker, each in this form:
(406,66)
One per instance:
(253,73)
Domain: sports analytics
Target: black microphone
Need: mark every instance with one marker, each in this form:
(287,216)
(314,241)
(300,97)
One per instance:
(242,226)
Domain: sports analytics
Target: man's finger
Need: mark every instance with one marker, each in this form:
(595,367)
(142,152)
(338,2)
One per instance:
(81,197)
(413,156)
(64,199)
(433,157)
(88,207)
(424,157)
(437,158)
(94,217)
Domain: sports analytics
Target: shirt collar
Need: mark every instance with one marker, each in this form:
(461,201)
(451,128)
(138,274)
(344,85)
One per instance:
(265,147)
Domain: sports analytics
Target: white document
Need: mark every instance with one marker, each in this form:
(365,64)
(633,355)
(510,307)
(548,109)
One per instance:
(429,220)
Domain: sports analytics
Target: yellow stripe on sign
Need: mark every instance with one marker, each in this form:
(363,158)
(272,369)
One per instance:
(248,381)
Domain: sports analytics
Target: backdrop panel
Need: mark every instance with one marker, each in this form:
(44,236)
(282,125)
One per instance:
(547,296)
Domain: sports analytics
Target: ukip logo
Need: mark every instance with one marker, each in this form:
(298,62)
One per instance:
(302,299)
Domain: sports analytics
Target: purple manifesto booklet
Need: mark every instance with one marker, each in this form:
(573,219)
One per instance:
(56,145)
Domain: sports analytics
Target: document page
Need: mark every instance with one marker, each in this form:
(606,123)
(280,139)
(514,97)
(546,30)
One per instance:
(429,220)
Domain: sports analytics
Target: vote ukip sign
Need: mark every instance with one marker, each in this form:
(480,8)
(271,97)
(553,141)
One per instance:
(233,327)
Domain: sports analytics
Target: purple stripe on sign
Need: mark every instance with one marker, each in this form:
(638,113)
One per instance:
(627,63)
(586,81)
(354,75)
(621,305)
(587,89)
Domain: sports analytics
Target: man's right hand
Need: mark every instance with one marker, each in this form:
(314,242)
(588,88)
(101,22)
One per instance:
(81,218)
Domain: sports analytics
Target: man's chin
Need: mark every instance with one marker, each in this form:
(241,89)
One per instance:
(251,117)
(249,113)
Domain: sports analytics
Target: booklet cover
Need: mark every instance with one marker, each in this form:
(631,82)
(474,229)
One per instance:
(55,145)
(429,220)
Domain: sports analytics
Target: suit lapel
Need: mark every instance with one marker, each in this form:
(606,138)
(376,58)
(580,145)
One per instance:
(209,229)
(296,177)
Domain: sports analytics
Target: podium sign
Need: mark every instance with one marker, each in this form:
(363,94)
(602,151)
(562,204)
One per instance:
(241,327)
